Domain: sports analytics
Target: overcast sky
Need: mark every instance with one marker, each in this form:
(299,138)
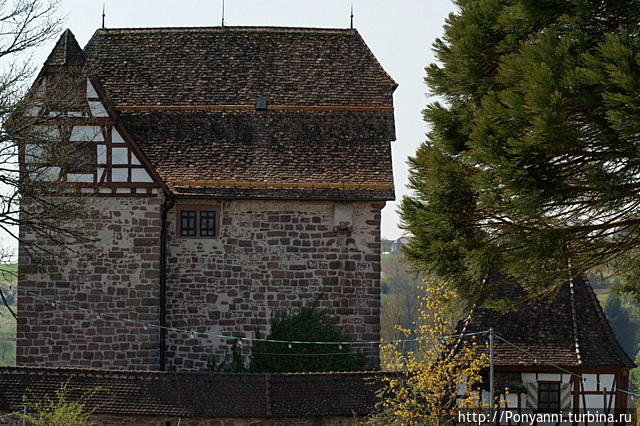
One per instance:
(399,33)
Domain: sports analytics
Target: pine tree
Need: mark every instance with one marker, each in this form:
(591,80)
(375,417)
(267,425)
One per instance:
(532,164)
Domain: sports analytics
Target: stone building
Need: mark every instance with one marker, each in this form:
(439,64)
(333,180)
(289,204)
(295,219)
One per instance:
(232,173)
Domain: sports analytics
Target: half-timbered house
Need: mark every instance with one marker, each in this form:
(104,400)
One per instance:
(554,354)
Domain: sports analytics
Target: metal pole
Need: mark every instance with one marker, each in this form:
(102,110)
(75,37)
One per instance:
(491,374)
(24,421)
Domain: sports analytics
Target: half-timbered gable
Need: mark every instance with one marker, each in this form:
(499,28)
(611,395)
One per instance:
(103,159)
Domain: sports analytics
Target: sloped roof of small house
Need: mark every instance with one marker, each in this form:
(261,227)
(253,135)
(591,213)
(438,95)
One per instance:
(155,393)
(567,329)
(187,96)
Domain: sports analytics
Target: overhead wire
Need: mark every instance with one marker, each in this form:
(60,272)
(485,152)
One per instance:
(103,315)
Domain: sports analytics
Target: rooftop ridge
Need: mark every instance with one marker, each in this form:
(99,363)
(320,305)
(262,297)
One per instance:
(328,30)
(574,320)
(160,373)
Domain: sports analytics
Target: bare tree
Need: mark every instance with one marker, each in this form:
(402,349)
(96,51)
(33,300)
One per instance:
(33,111)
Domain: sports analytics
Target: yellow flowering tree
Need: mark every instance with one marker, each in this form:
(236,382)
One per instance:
(437,374)
(61,410)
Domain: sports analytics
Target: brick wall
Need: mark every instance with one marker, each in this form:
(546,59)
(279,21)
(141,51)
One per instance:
(271,256)
(117,272)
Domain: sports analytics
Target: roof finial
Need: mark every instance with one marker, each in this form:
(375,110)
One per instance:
(103,15)
(223,13)
(351,14)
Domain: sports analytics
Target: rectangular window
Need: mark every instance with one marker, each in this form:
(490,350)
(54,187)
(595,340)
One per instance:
(199,221)
(549,396)
(188,223)
(207,223)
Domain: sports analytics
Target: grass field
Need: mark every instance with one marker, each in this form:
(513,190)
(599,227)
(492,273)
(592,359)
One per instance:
(7,331)
(8,274)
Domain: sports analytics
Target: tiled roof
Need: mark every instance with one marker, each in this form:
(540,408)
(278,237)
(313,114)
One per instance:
(194,394)
(66,52)
(235,65)
(187,96)
(567,329)
(272,154)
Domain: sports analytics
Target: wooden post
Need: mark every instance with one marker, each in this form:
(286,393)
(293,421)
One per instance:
(491,374)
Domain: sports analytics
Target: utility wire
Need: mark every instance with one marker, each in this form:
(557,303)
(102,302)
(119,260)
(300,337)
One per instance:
(12,414)
(564,370)
(55,303)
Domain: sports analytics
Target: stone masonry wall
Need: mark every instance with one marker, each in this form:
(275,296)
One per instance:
(270,256)
(115,273)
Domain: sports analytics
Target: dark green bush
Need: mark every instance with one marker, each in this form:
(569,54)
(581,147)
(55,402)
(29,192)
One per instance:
(310,324)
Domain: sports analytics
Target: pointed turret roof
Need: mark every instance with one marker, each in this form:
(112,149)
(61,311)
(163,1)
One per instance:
(568,329)
(67,51)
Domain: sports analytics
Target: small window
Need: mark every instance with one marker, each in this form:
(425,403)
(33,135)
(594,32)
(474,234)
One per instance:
(207,223)
(197,221)
(188,223)
(549,396)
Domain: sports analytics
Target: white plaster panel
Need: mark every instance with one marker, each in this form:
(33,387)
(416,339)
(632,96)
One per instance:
(123,190)
(49,132)
(134,160)
(119,175)
(140,175)
(343,215)
(86,133)
(606,381)
(595,401)
(589,382)
(98,110)
(528,377)
(80,177)
(551,377)
(120,155)
(512,400)
(33,153)
(102,154)
(47,174)
(116,137)
(91,91)
(105,190)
